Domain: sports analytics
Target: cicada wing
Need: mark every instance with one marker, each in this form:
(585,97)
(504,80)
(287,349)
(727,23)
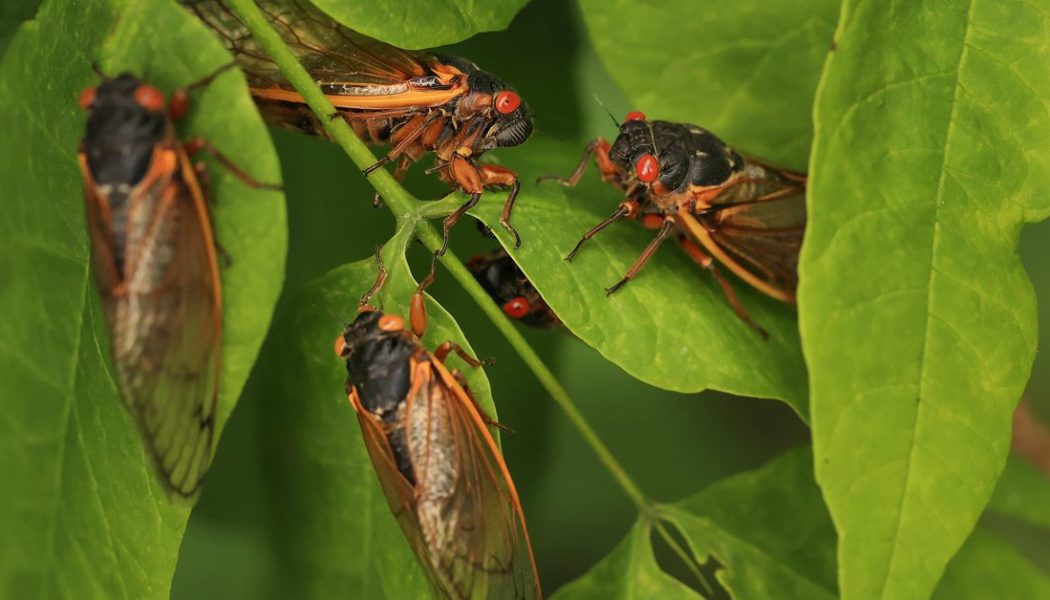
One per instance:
(100,231)
(338,59)
(759,241)
(482,549)
(398,491)
(167,327)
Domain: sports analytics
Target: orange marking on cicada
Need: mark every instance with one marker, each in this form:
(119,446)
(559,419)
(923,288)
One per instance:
(391,323)
(87,98)
(340,346)
(417,314)
(149,97)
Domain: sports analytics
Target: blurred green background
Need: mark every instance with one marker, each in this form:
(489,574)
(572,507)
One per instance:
(672,444)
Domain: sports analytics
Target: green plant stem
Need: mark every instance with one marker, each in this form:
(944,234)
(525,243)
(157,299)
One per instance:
(406,207)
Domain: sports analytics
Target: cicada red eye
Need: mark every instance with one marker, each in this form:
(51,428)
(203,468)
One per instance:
(180,103)
(340,345)
(87,98)
(647,168)
(149,97)
(507,102)
(635,115)
(517,308)
(391,323)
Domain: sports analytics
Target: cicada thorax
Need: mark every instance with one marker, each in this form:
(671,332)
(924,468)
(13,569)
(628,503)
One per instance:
(504,282)
(155,265)
(439,467)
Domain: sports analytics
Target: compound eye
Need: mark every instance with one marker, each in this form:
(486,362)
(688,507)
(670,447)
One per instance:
(87,98)
(391,323)
(340,346)
(149,97)
(647,168)
(517,308)
(507,102)
(635,115)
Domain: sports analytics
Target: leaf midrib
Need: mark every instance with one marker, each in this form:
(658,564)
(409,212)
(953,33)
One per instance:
(949,131)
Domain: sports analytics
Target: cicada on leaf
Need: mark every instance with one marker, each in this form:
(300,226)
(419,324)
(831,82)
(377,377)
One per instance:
(440,468)
(722,206)
(415,102)
(504,282)
(155,262)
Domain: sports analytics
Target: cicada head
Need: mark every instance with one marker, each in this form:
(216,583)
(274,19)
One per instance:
(509,122)
(504,282)
(127,120)
(376,348)
(672,154)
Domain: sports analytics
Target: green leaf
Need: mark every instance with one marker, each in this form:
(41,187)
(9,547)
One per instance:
(629,571)
(417,24)
(746,70)
(672,326)
(336,534)
(988,567)
(89,518)
(12,14)
(918,321)
(768,528)
(1023,492)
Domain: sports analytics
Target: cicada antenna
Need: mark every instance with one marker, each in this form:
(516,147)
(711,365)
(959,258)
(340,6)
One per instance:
(608,112)
(97,68)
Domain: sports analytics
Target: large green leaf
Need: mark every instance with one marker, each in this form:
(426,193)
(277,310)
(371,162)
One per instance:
(671,327)
(422,23)
(629,571)
(767,529)
(336,534)
(83,515)
(918,322)
(746,70)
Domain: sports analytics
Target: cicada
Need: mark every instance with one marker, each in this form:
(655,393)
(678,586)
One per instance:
(685,182)
(415,102)
(507,285)
(440,468)
(154,259)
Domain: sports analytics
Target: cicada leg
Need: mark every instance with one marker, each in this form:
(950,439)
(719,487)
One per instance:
(365,303)
(627,209)
(449,346)
(599,147)
(708,264)
(200,144)
(407,160)
(492,175)
(665,231)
